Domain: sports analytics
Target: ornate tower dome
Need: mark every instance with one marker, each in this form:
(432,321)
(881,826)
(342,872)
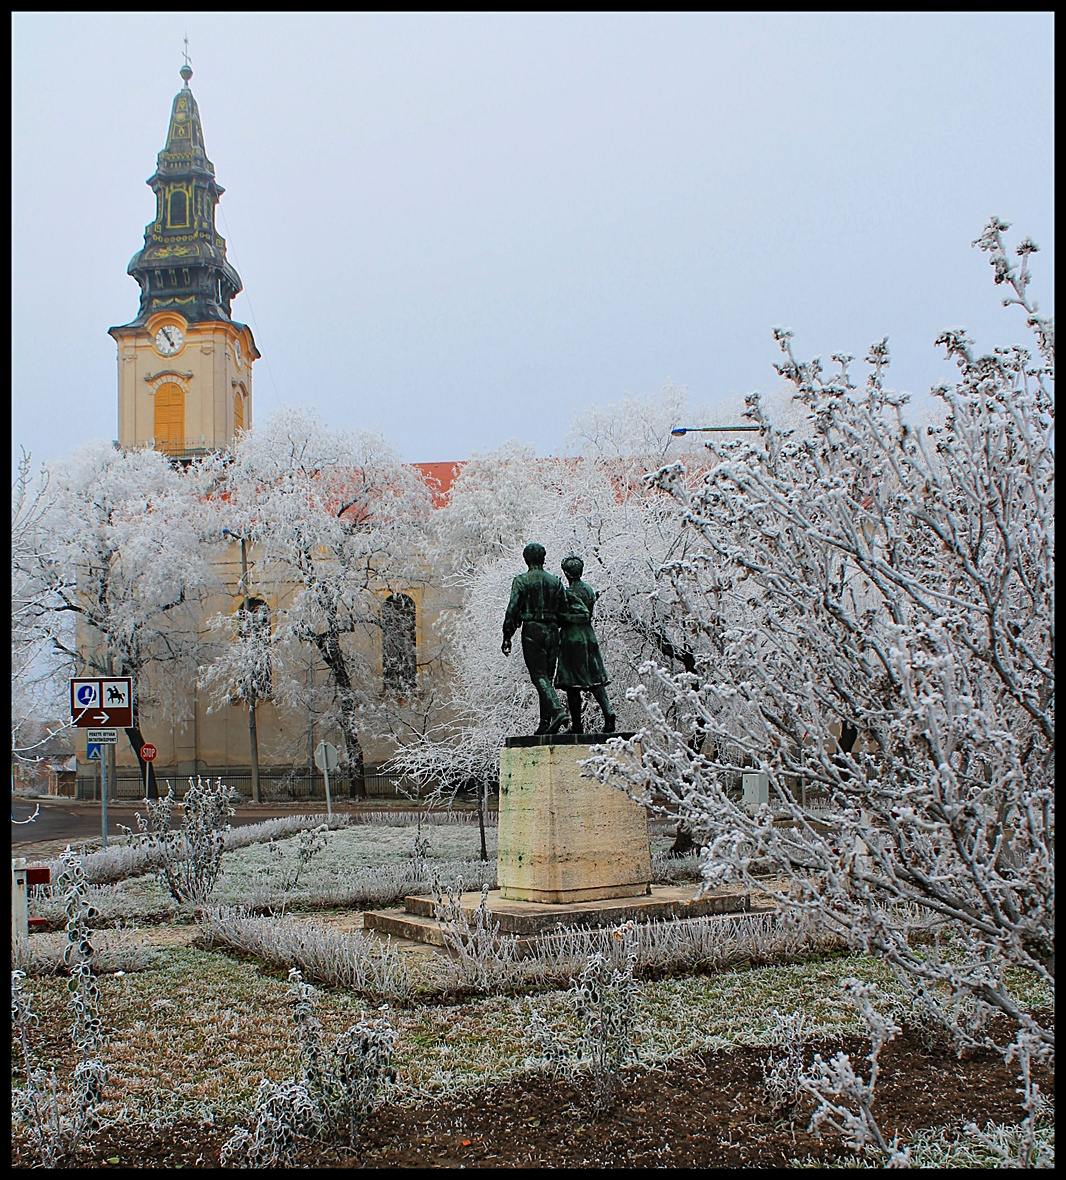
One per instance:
(183,263)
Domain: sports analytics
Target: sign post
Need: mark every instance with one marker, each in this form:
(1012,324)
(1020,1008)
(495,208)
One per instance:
(103,802)
(148,752)
(102,700)
(327,758)
(103,737)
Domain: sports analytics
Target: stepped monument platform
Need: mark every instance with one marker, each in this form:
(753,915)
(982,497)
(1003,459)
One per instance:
(572,853)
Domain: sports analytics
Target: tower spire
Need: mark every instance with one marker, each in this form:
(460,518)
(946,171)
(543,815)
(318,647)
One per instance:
(183,263)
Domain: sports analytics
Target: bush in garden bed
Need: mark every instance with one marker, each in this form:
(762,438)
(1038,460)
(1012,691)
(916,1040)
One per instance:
(43,954)
(349,959)
(483,962)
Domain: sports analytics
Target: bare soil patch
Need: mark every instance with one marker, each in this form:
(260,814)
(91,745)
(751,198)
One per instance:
(707,1109)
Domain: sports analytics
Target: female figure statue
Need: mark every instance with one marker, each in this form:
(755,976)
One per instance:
(581,666)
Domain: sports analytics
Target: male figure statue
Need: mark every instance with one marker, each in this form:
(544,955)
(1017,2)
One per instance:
(537,604)
(580,663)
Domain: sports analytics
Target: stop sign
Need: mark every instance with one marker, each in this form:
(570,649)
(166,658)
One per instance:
(148,753)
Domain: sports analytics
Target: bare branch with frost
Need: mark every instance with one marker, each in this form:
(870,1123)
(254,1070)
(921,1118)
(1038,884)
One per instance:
(874,609)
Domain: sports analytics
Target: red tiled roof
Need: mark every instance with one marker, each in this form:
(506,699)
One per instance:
(439,478)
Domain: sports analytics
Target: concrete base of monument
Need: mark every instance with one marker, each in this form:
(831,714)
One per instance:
(565,838)
(532,919)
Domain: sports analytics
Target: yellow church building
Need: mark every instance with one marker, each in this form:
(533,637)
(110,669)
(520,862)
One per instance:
(185,388)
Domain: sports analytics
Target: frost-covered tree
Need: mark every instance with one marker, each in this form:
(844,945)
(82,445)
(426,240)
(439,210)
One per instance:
(120,553)
(597,504)
(879,598)
(629,530)
(335,522)
(491,506)
(38,674)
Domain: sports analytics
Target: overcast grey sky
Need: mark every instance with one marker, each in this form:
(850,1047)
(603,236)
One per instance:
(459,229)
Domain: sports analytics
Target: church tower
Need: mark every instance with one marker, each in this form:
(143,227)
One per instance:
(184,365)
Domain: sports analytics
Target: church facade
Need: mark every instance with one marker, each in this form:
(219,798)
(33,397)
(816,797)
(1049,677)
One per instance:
(185,388)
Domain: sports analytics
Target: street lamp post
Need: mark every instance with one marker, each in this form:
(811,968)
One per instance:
(252,735)
(709,429)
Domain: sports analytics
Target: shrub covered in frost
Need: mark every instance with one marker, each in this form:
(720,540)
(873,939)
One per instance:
(338,1088)
(342,958)
(782,1070)
(61,1120)
(604,994)
(44,954)
(482,957)
(191,858)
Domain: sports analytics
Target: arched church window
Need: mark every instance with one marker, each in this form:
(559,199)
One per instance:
(253,629)
(178,216)
(398,645)
(170,419)
(238,410)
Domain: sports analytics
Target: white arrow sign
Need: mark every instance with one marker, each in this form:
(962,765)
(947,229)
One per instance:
(95,718)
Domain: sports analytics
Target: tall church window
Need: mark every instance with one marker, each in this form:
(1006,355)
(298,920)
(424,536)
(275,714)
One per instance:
(170,419)
(178,216)
(398,645)
(238,411)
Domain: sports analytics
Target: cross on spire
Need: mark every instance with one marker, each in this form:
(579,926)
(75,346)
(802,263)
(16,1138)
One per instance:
(186,52)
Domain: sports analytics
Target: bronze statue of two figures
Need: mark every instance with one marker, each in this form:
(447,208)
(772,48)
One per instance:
(558,641)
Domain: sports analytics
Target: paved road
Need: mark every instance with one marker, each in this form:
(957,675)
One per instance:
(79,821)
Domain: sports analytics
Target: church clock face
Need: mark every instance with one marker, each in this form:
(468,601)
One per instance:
(237,353)
(168,340)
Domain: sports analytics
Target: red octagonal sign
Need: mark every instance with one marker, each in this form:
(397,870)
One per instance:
(148,753)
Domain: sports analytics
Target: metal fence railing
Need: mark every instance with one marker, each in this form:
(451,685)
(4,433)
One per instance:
(275,786)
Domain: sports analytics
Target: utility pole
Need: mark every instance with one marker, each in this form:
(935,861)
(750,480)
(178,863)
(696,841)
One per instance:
(252,736)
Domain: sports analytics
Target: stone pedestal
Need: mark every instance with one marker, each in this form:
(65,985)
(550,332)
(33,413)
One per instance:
(564,838)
